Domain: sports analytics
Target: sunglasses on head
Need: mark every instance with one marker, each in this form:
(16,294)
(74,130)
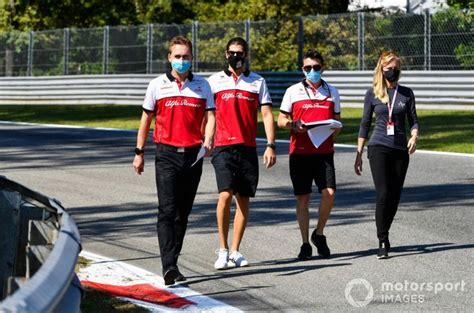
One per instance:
(315,67)
(236,53)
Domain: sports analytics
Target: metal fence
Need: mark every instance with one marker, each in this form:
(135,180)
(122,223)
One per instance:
(443,41)
(441,88)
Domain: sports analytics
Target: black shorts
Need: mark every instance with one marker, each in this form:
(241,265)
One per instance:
(236,168)
(304,168)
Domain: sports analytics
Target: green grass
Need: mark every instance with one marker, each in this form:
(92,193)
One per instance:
(117,116)
(441,130)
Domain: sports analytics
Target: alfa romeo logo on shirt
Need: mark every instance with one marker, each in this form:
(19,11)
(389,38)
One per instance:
(238,95)
(173,103)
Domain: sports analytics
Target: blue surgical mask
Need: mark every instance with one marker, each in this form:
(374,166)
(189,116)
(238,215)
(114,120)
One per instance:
(313,76)
(181,66)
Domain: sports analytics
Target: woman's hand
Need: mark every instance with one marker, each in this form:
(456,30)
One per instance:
(358,164)
(412,144)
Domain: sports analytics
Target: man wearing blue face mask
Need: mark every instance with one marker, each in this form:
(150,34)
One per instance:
(311,100)
(181,104)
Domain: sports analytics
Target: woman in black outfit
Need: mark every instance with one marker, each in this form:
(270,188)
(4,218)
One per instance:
(388,148)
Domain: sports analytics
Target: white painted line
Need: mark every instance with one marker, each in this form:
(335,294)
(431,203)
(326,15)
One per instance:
(108,271)
(66,126)
(469,155)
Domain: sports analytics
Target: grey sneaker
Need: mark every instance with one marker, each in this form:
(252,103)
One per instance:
(236,259)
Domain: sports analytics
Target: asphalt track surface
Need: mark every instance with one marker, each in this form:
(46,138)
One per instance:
(90,172)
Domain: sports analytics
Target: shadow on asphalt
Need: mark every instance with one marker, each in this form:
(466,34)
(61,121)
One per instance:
(276,206)
(401,251)
(256,269)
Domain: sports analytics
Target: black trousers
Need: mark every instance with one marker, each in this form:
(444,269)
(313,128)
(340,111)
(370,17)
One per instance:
(177,183)
(389,167)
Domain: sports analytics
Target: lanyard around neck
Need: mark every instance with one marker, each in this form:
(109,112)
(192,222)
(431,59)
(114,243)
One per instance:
(390,107)
(316,89)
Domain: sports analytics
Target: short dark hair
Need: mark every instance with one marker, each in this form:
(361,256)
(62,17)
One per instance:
(315,55)
(180,40)
(240,42)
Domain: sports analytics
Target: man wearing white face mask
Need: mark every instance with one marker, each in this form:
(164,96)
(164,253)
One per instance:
(311,100)
(181,104)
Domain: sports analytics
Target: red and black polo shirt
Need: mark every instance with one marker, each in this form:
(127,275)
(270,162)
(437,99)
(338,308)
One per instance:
(237,102)
(179,109)
(302,102)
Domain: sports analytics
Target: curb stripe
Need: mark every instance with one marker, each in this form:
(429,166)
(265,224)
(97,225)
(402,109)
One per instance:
(143,292)
(106,271)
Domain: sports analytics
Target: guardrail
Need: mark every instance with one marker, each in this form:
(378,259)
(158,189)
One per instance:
(40,244)
(430,87)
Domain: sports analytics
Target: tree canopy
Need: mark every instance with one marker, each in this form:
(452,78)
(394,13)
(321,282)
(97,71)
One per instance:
(51,14)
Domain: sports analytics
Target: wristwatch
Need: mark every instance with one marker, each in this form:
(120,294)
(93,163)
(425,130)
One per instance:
(271,145)
(139,151)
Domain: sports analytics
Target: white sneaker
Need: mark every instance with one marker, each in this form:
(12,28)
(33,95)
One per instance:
(222,260)
(236,259)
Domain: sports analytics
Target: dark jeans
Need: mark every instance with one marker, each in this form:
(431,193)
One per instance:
(389,167)
(177,183)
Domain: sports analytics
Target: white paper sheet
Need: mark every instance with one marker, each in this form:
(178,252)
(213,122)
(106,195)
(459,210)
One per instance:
(319,131)
(200,155)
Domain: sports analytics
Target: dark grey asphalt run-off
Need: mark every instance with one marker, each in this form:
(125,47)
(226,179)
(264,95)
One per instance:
(90,172)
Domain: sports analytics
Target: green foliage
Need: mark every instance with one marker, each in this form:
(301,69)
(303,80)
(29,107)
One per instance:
(235,10)
(274,47)
(335,36)
(52,14)
(464,54)
(461,4)
(453,35)
(273,34)
(165,11)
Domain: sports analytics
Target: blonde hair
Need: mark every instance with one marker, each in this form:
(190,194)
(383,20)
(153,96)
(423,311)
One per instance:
(379,83)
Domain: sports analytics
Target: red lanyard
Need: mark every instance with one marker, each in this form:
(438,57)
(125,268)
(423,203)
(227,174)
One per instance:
(390,107)
(315,92)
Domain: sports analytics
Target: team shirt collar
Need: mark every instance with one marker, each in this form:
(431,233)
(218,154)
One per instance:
(172,79)
(306,85)
(229,73)
(315,90)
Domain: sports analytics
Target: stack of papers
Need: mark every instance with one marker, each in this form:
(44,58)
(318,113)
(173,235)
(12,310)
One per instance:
(319,131)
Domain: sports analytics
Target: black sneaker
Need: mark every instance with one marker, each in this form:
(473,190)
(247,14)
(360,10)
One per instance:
(170,276)
(180,277)
(305,252)
(384,248)
(320,242)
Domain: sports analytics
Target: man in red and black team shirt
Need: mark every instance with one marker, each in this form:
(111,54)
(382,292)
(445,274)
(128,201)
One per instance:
(181,103)
(238,94)
(311,100)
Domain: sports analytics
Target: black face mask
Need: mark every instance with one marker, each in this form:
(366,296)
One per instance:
(236,61)
(392,75)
